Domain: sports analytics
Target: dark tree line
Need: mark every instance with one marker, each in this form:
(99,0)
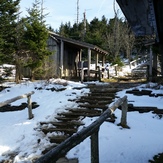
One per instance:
(113,35)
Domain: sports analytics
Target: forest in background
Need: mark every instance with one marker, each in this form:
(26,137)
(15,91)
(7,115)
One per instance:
(114,36)
(23,40)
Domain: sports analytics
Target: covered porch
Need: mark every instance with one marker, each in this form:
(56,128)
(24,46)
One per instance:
(71,62)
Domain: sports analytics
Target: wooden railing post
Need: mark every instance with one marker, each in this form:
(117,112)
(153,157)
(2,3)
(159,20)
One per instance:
(82,72)
(115,67)
(95,147)
(124,113)
(99,74)
(29,101)
(108,74)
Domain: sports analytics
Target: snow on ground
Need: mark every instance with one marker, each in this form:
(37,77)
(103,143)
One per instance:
(20,135)
(138,144)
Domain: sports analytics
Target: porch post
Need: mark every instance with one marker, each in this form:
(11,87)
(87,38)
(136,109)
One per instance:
(80,55)
(154,72)
(161,56)
(96,64)
(89,62)
(150,63)
(61,59)
(103,60)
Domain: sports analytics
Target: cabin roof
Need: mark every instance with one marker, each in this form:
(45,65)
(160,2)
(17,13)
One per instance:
(79,44)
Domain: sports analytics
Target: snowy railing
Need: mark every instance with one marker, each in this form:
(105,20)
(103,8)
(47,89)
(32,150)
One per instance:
(114,70)
(28,96)
(92,130)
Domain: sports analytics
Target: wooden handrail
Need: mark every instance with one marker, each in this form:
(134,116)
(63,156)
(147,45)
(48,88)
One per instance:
(61,150)
(27,95)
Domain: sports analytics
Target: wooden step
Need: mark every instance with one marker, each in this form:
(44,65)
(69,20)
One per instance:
(96,98)
(109,90)
(93,106)
(65,130)
(92,101)
(87,112)
(61,124)
(67,118)
(77,114)
(141,109)
(138,92)
(58,138)
(102,94)
(69,114)
(93,85)
(80,110)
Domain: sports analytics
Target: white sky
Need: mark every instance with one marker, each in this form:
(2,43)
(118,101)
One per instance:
(62,11)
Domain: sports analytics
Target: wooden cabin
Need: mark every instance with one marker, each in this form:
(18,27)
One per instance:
(67,56)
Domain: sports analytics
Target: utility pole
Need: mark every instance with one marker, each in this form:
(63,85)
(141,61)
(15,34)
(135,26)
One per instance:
(77,12)
(42,10)
(85,25)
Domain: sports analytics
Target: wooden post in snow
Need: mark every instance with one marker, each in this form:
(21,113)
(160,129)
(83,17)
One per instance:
(95,147)
(124,113)
(82,71)
(29,101)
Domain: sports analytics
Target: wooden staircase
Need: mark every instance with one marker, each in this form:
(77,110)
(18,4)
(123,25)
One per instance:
(91,105)
(67,123)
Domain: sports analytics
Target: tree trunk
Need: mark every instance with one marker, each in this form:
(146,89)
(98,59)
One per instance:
(18,74)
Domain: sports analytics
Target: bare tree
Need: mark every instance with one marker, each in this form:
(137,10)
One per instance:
(120,39)
(128,40)
(114,38)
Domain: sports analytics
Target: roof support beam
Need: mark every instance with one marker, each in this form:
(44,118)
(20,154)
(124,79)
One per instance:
(161,57)
(96,63)
(89,61)
(61,59)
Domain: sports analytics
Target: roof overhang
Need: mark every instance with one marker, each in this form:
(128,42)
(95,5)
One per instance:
(141,16)
(79,43)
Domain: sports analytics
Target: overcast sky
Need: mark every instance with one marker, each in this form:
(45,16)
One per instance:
(62,11)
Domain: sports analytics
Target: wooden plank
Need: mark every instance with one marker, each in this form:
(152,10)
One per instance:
(85,110)
(97,97)
(74,123)
(77,114)
(67,118)
(66,130)
(98,102)
(57,138)
(93,106)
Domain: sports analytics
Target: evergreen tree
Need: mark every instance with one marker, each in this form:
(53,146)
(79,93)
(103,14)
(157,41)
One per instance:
(8,16)
(20,51)
(35,38)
